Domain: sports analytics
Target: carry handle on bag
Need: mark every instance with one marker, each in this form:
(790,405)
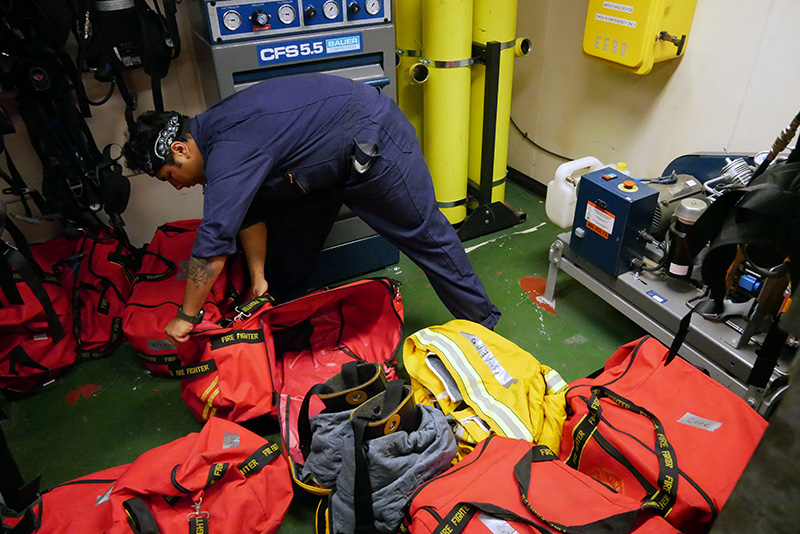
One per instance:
(663,498)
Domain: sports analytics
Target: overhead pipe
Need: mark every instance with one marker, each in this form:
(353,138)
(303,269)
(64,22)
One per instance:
(408,42)
(447,47)
(494,21)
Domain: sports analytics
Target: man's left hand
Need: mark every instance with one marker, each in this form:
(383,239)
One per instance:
(178,331)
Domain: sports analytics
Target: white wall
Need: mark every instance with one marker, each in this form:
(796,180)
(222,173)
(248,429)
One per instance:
(733,90)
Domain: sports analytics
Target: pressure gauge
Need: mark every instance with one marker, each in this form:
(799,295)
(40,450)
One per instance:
(232,20)
(286,14)
(372,6)
(330,9)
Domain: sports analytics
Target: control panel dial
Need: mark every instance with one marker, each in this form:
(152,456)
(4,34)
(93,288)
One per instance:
(353,8)
(286,14)
(232,20)
(372,7)
(330,9)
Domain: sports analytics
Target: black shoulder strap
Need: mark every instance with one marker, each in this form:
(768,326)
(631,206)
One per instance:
(20,260)
(17,497)
(13,178)
(160,43)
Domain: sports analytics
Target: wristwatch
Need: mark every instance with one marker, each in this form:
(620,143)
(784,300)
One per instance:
(194,319)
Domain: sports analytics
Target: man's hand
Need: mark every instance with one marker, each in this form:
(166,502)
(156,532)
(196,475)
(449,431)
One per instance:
(178,331)
(258,288)
(201,274)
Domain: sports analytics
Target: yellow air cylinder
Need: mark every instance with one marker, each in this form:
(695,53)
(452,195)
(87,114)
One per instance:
(494,20)
(410,72)
(447,48)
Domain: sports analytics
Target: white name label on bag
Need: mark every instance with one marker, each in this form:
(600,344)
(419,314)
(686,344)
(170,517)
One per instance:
(497,526)
(699,422)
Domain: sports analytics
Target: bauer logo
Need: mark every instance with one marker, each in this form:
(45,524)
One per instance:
(349,43)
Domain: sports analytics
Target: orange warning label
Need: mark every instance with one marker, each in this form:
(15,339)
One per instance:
(599,220)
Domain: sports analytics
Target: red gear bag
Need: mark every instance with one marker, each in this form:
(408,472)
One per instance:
(221,480)
(36,328)
(665,433)
(510,485)
(264,361)
(97,268)
(158,293)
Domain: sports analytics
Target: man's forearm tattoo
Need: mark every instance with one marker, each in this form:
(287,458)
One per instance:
(199,271)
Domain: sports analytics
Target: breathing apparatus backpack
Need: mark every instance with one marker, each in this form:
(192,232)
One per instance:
(118,35)
(77,177)
(759,222)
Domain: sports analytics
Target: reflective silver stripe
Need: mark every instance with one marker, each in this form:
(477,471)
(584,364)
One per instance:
(505,418)
(554,382)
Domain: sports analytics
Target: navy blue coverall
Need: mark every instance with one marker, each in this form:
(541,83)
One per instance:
(282,152)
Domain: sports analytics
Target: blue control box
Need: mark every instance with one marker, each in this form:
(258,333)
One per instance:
(611,210)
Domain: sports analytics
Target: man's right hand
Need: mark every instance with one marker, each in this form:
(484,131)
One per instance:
(258,288)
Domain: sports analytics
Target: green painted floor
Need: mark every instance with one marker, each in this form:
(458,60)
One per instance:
(107,412)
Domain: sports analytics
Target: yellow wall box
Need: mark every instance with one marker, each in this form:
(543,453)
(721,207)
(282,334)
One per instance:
(635,34)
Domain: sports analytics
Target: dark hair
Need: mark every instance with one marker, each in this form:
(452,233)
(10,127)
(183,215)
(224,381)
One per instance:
(141,138)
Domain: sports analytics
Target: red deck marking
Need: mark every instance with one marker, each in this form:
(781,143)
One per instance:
(534,286)
(85,391)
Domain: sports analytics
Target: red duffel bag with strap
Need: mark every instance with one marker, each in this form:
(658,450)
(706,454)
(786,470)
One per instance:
(35,326)
(647,427)
(507,485)
(158,292)
(97,268)
(233,377)
(222,480)
(80,505)
(266,358)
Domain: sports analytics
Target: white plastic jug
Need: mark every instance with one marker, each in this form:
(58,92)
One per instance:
(562,191)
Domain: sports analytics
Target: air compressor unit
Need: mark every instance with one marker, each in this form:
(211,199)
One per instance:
(611,210)
(239,43)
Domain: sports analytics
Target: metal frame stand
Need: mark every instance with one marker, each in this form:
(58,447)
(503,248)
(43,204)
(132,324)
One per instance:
(489,216)
(657,304)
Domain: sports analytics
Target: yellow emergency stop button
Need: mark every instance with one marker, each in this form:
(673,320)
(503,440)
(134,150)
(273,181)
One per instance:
(629,186)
